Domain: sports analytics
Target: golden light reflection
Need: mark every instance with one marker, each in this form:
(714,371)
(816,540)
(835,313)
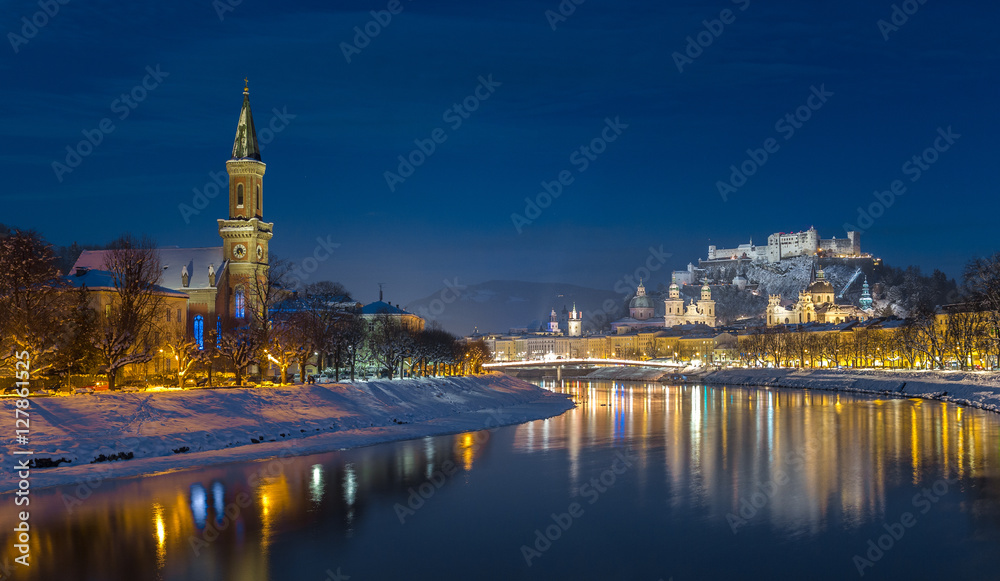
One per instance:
(465,445)
(717,443)
(273,496)
(161,536)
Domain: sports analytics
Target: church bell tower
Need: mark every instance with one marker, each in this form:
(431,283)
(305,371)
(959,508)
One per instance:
(245,234)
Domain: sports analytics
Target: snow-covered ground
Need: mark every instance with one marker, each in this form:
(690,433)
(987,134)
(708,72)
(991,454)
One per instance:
(179,429)
(980,390)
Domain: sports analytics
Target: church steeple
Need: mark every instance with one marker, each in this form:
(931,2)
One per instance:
(245,234)
(245,146)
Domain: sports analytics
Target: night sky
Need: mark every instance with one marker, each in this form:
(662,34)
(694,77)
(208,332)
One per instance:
(344,124)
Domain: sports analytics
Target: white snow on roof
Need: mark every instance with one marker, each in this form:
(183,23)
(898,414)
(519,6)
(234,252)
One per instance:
(173,260)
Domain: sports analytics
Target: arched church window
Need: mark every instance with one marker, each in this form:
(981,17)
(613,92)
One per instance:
(218,331)
(239,195)
(199,331)
(241,304)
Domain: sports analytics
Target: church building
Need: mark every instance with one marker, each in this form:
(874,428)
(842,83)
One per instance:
(219,281)
(642,311)
(816,304)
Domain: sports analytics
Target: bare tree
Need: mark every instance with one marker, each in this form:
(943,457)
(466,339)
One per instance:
(241,346)
(127,329)
(982,286)
(35,308)
(184,352)
(290,342)
(389,343)
(475,354)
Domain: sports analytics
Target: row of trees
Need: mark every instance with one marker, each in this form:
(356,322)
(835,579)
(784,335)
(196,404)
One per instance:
(966,333)
(68,332)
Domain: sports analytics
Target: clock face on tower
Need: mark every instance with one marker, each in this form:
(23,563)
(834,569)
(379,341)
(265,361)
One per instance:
(239,251)
(260,252)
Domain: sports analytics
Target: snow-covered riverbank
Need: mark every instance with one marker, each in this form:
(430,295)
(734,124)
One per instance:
(156,432)
(972,389)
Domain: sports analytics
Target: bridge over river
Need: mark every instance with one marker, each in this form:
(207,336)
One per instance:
(583,363)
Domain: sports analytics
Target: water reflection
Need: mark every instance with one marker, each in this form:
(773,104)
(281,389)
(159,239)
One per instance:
(811,467)
(837,451)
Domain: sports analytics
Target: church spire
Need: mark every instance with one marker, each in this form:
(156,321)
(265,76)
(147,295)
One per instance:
(245,146)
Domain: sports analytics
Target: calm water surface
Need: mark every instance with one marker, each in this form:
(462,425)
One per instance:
(642,482)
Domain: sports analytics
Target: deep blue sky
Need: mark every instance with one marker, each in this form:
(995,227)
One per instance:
(655,185)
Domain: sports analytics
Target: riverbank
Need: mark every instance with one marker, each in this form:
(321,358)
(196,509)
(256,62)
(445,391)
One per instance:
(979,390)
(124,434)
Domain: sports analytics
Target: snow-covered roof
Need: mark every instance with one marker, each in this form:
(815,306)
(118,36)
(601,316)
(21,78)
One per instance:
(172,260)
(382,308)
(100,280)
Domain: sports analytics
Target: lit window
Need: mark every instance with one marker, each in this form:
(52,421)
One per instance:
(199,331)
(241,304)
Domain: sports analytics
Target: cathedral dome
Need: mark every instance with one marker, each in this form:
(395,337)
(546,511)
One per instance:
(820,286)
(820,289)
(641,302)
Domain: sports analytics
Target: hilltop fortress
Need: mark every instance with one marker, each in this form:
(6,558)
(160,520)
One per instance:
(781,246)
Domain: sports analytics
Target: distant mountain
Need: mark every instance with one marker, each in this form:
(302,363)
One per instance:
(499,305)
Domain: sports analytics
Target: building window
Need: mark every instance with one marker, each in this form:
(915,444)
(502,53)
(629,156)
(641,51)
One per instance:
(258,200)
(168,315)
(239,195)
(218,331)
(241,304)
(180,319)
(199,331)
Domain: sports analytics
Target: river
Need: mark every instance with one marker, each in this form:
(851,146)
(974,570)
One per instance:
(639,482)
